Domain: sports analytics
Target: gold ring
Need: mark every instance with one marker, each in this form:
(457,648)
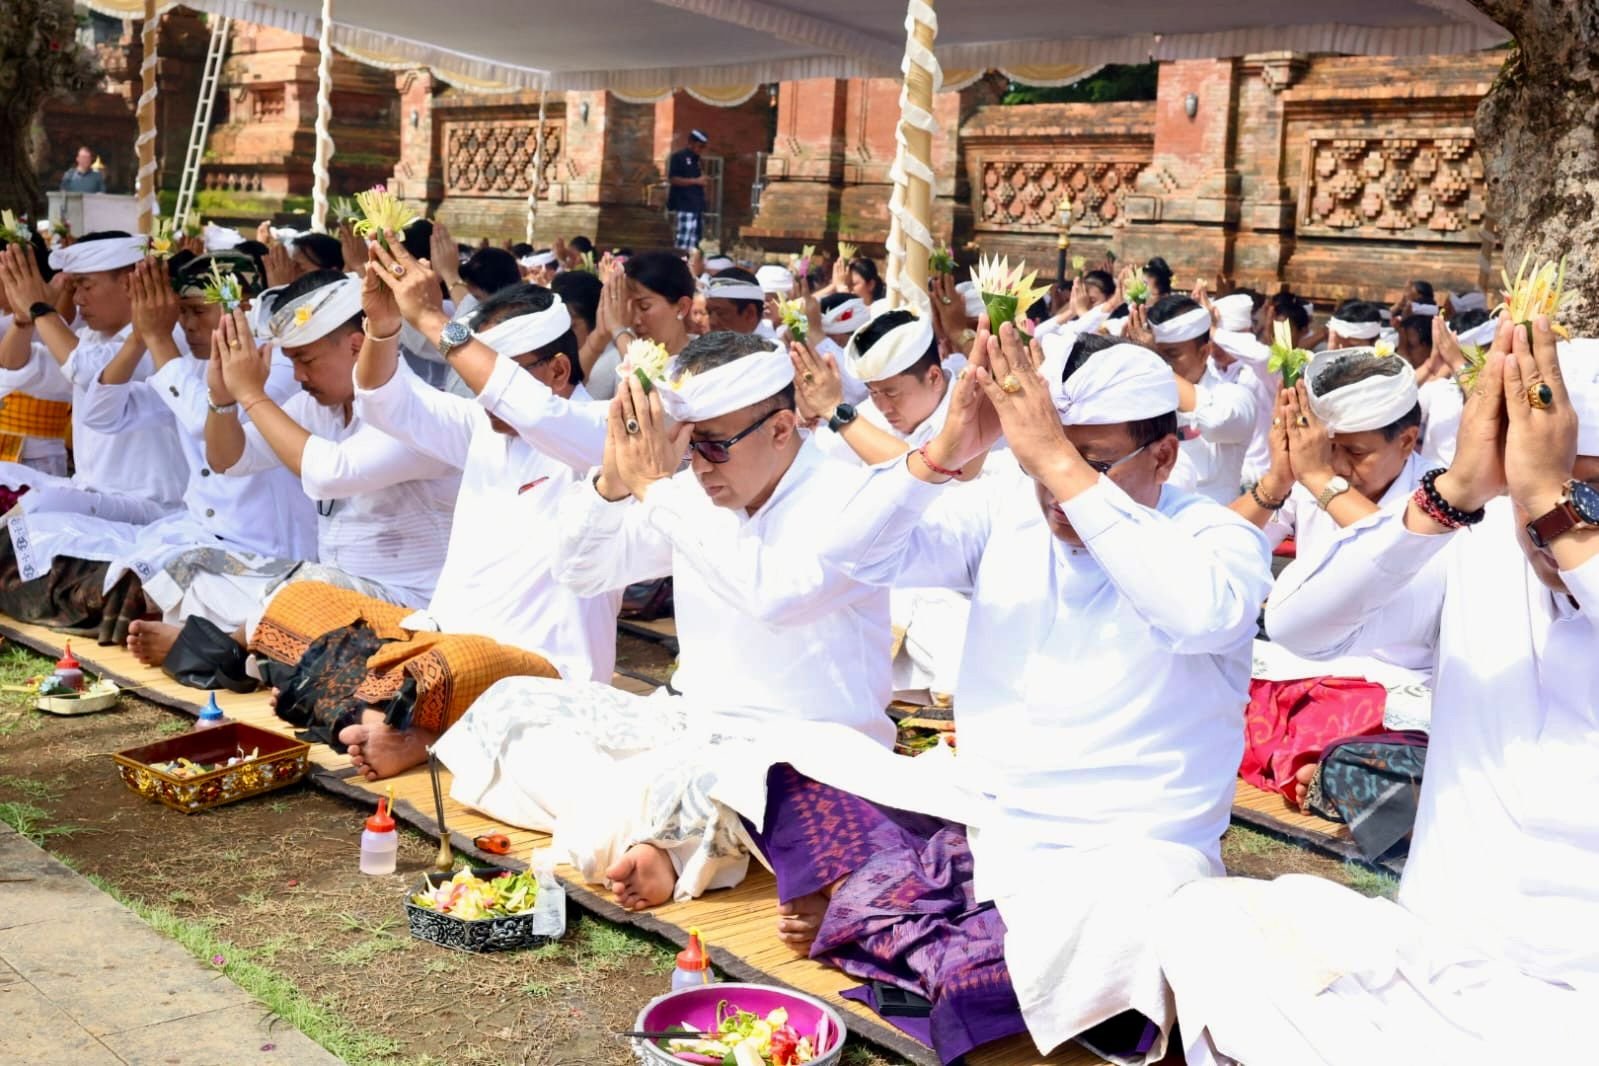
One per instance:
(1301,421)
(809,377)
(1276,422)
(945,300)
(1012,383)
(631,425)
(1540,396)
(397,270)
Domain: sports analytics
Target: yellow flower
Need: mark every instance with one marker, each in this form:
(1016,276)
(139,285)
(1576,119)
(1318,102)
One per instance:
(1383,348)
(1542,292)
(381,212)
(846,251)
(302,315)
(161,246)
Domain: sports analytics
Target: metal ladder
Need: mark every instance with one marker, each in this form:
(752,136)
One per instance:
(215,53)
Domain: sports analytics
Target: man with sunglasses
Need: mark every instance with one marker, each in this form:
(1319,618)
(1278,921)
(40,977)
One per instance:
(769,633)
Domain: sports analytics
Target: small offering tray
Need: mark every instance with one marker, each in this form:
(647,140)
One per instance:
(101,696)
(271,761)
(480,934)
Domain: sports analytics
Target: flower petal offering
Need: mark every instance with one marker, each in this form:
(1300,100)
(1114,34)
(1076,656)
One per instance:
(381,212)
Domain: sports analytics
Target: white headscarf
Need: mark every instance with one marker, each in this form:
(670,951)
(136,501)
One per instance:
(849,316)
(1188,326)
(1579,368)
(536,260)
(1123,383)
(1237,312)
(734,289)
(1372,403)
(1425,310)
(529,332)
(718,262)
(1482,335)
(317,313)
(221,238)
(1468,301)
(714,393)
(894,352)
(90,257)
(973,297)
(776,280)
(1355,331)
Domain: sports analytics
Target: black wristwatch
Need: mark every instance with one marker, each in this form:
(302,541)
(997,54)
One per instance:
(40,309)
(843,416)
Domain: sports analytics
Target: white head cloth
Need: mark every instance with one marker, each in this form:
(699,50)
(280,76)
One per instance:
(718,262)
(529,332)
(1355,331)
(316,314)
(973,297)
(734,289)
(1385,314)
(847,317)
(1429,310)
(1123,383)
(287,236)
(1190,325)
(89,257)
(1237,312)
(1468,301)
(1375,402)
(775,279)
(221,238)
(1482,336)
(1579,368)
(1116,327)
(714,393)
(894,351)
(537,259)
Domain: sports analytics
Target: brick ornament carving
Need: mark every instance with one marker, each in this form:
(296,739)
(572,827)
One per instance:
(1427,188)
(495,158)
(1021,194)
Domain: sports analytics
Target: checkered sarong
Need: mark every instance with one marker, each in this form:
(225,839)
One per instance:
(688,229)
(23,416)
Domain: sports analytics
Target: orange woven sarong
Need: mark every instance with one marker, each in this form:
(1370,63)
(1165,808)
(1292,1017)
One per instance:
(23,416)
(450,670)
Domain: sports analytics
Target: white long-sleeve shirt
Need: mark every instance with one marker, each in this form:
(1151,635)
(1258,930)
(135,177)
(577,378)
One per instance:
(498,575)
(1251,370)
(1215,437)
(1505,854)
(1442,404)
(767,630)
(383,509)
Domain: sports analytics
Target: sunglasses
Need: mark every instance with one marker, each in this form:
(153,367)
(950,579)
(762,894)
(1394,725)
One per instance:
(718,451)
(1104,468)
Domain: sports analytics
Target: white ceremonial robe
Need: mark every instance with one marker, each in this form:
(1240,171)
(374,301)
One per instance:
(1252,369)
(498,577)
(1442,404)
(1215,437)
(1489,955)
(1100,716)
(768,635)
(44,454)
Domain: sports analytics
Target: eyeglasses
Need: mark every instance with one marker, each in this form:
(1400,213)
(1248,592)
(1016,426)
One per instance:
(717,451)
(1105,468)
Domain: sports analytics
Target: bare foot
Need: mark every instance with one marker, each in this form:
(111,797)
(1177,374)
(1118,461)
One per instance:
(379,750)
(1301,786)
(642,878)
(799,919)
(151,642)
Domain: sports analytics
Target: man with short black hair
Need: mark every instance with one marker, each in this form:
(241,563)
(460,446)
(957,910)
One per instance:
(1355,324)
(686,195)
(734,301)
(83,175)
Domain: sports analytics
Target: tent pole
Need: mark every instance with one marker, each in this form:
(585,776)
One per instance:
(145,145)
(538,171)
(910,206)
(324,117)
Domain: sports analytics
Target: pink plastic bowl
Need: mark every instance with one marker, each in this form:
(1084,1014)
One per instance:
(697,1007)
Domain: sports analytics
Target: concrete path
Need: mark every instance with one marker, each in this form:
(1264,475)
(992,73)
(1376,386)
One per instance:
(84,982)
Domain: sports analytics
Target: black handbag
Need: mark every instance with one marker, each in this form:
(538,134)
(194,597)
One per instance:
(205,657)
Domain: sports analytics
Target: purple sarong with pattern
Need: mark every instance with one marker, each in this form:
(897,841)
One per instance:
(905,912)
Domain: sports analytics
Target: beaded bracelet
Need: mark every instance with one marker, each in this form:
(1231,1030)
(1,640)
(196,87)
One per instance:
(1440,510)
(934,467)
(1260,501)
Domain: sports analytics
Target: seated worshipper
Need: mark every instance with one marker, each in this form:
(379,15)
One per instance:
(1440,394)
(896,354)
(1157,274)
(864,282)
(1343,448)
(266,514)
(402,678)
(648,298)
(539,267)
(1216,417)
(768,633)
(1099,713)
(734,301)
(383,509)
(1241,357)
(33,426)
(840,315)
(132,478)
(1487,955)
(1085,311)
(1355,324)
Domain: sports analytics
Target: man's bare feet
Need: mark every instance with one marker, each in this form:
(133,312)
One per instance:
(151,642)
(1300,789)
(642,878)
(799,919)
(379,750)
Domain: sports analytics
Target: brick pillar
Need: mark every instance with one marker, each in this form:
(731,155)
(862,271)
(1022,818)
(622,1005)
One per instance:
(805,172)
(419,169)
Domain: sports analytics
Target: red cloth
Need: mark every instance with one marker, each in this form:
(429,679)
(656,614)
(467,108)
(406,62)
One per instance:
(1290,723)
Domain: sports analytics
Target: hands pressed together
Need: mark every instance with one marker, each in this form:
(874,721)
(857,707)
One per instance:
(641,445)
(238,370)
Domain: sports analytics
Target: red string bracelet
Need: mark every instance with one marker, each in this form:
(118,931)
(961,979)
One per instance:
(934,467)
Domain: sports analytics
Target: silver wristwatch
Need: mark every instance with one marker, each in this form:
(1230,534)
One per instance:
(452,337)
(222,408)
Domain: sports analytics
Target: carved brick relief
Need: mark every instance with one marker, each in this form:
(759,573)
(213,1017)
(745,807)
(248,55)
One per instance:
(495,158)
(1019,194)
(1426,187)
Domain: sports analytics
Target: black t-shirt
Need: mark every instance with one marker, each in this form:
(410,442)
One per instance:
(685,164)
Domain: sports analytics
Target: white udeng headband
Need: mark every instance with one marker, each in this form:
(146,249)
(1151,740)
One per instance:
(1237,312)
(775,279)
(1190,325)
(894,353)
(718,262)
(847,317)
(734,289)
(537,259)
(1426,310)
(1355,331)
(1469,301)
(1123,383)
(90,257)
(317,313)
(714,393)
(1372,403)
(529,332)
(1482,335)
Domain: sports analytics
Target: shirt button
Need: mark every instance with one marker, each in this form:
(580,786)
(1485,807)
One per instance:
(173,389)
(204,472)
(209,513)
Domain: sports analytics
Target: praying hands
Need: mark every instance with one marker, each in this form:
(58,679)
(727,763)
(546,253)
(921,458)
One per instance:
(641,447)
(411,281)
(245,368)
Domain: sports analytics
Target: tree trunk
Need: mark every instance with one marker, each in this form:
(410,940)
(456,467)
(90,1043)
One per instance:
(19,185)
(1538,134)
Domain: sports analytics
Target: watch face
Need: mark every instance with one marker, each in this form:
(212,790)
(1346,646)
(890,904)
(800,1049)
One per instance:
(1338,485)
(1585,501)
(455,334)
(845,412)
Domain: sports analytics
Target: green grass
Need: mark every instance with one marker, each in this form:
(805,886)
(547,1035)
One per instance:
(600,946)
(351,923)
(539,989)
(278,806)
(180,896)
(18,665)
(1369,882)
(29,821)
(1251,842)
(364,951)
(173,726)
(29,788)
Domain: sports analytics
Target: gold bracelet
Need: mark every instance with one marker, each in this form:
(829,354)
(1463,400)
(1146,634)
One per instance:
(373,337)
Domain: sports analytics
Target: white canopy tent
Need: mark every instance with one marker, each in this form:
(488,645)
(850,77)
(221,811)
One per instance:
(722,49)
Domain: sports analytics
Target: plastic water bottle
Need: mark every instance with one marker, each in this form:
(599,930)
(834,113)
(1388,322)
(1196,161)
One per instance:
(380,844)
(693,964)
(210,714)
(549,909)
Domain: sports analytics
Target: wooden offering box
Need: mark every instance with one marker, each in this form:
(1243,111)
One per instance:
(279,761)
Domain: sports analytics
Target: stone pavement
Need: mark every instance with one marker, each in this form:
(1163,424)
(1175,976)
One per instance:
(85,982)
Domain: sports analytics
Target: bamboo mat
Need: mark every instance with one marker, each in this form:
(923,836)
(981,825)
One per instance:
(739,924)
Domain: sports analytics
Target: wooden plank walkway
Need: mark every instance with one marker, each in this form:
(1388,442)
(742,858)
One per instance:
(738,923)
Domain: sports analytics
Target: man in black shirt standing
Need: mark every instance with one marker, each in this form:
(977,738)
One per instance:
(687,195)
